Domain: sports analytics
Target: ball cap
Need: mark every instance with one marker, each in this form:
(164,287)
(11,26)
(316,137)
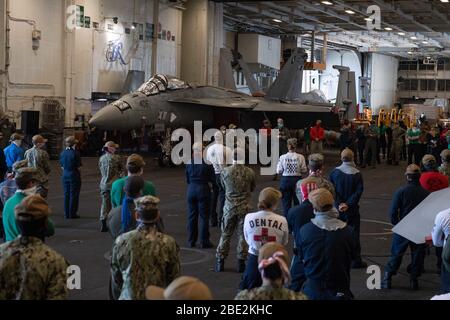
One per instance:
(428,160)
(19,165)
(32,208)
(269,196)
(136,160)
(16,136)
(111,144)
(347,154)
(148,208)
(39,139)
(71,141)
(268,250)
(445,155)
(182,288)
(412,169)
(316,157)
(27,174)
(321,199)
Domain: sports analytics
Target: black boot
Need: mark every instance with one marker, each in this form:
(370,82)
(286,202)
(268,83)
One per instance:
(241,266)
(104,227)
(414,284)
(220,265)
(387,281)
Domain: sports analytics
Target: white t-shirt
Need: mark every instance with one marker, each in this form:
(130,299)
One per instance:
(218,155)
(262,227)
(292,164)
(441,229)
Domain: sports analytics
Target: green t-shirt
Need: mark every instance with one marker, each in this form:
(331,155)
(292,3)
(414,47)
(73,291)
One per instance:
(117,192)
(413,136)
(10,226)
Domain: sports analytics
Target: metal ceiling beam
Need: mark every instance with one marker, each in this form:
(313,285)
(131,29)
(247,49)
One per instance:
(257,26)
(300,14)
(268,14)
(398,11)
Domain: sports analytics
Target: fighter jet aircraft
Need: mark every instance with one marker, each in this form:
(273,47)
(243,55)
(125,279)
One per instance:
(172,103)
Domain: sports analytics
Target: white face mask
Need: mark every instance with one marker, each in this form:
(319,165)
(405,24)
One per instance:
(30,191)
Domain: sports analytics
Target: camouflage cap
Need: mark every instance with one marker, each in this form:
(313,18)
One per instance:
(321,199)
(148,208)
(137,160)
(27,174)
(19,165)
(428,160)
(182,288)
(71,141)
(232,126)
(16,136)
(38,139)
(31,208)
(445,155)
(347,155)
(412,169)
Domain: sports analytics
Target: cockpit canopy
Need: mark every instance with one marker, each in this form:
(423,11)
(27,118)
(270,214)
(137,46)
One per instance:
(161,83)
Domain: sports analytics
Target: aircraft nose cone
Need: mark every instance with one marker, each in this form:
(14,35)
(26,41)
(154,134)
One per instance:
(108,118)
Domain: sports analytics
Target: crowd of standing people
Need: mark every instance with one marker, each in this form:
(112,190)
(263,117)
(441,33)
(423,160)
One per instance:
(321,212)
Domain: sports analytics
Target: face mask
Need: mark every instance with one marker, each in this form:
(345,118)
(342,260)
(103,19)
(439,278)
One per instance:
(18,142)
(280,125)
(30,191)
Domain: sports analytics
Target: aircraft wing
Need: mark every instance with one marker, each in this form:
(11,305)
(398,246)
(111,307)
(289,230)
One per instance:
(275,106)
(233,102)
(254,104)
(418,224)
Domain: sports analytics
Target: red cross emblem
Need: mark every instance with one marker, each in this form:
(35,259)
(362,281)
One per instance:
(264,237)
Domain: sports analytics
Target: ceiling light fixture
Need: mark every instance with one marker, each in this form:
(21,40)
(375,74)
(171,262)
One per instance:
(328,3)
(277,20)
(350,11)
(388,29)
(410,52)
(401,33)
(413,38)
(425,42)
(444,1)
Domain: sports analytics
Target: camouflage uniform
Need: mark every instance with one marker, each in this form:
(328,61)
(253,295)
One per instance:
(39,159)
(110,168)
(398,135)
(31,271)
(238,181)
(270,293)
(141,258)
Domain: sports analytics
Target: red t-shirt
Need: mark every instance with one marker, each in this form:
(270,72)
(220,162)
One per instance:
(433,181)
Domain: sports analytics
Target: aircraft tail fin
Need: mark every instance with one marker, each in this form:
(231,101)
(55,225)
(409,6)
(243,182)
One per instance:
(288,85)
(226,79)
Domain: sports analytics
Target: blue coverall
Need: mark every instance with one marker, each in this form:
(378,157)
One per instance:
(70,161)
(404,201)
(298,216)
(327,257)
(198,177)
(349,187)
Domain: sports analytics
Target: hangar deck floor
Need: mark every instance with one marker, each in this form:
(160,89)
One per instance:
(82,244)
